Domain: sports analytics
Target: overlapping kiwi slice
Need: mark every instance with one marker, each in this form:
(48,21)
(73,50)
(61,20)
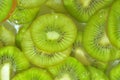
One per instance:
(39,57)
(12,61)
(82,10)
(70,69)
(97,74)
(7,38)
(53,32)
(23,15)
(113,28)
(30,4)
(33,74)
(95,39)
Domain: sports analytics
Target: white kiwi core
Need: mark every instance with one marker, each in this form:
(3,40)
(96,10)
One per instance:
(53,35)
(104,40)
(64,77)
(85,3)
(5,72)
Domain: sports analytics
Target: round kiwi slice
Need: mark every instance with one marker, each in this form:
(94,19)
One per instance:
(7,38)
(82,10)
(114,73)
(97,74)
(33,74)
(12,61)
(23,15)
(113,28)
(70,69)
(39,57)
(6,8)
(31,3)
(95,39)
(53,32)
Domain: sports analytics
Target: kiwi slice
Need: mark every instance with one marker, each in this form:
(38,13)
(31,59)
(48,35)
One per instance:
(78,51)
(6,8)
(96,74)
(12,61)
(70,69)
(39,57)
(23,15)
(33,74)
(30,4)
(114,73)
(95,39)
(113,28)
(82,10)
(53,32)
(7,38)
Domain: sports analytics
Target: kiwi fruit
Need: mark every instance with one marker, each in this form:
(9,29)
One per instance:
(30,4)
(33,74)
(82,10)
(7,38)
(114,73)
(95,39)
(53,32)
(96,74)
(39,57)
(70,69)
(12,60)
(113,28)
(23,15)
(6,7)
(78,51)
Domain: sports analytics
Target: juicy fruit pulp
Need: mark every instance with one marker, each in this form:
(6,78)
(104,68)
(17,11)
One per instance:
(59,39)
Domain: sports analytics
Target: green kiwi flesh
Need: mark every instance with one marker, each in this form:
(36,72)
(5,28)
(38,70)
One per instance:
(97,74)
(39,57)
(114,73)
(70,69)
(82,10)
(53,32)
(113,28)
(13,57)
(23,15)
(95,40)
(33,74)
(30,4)
(5,7)
(7,38)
